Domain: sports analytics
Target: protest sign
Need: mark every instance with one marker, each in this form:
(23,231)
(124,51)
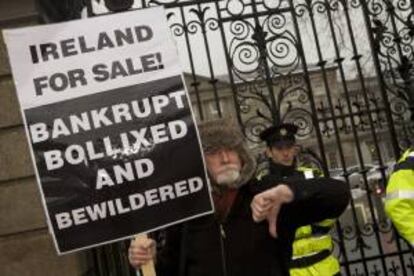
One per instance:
(110,126)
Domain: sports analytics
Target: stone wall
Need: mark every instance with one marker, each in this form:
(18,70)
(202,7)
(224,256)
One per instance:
(26,247)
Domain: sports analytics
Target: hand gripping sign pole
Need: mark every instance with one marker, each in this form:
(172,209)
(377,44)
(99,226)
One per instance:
(147,269)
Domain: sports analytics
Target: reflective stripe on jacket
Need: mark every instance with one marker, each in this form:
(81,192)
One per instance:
(313,239)
(309,245)
(399,203)
(327,267)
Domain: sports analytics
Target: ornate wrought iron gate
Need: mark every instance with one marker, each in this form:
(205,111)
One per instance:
(342,70)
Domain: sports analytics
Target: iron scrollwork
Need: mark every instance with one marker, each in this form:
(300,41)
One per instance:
(393,31)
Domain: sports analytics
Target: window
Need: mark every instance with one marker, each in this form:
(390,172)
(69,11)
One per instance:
(212,107)
(333,162)
(373,154)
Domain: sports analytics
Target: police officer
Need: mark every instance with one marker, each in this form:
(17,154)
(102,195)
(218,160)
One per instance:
(312,248)
(399,203)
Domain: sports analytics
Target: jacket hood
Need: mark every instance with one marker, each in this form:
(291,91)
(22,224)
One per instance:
(225,133)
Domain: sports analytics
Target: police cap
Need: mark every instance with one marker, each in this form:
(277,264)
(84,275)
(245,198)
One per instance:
(279,135)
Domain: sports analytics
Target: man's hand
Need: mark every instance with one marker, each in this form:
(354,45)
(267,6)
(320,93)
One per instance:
(141,251)
(267,204)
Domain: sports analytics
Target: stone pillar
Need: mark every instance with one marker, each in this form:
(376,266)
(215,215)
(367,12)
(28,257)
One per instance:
(26,247)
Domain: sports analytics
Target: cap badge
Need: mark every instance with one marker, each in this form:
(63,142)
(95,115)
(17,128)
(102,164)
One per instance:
(283,132)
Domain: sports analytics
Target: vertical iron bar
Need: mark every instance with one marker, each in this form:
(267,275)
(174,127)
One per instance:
(310,91)
(193,74)
(380,79)
(321,64)
(397,39)
(356,58)
(229,64)
(96,270)
(261,44)
(213,81)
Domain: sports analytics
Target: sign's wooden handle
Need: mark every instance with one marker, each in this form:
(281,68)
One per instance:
(147,269)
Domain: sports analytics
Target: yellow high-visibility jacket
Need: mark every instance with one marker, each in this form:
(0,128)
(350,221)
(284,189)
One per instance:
(399,203)
(313,245)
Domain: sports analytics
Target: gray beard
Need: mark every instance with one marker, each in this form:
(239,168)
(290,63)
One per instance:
(229,179)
